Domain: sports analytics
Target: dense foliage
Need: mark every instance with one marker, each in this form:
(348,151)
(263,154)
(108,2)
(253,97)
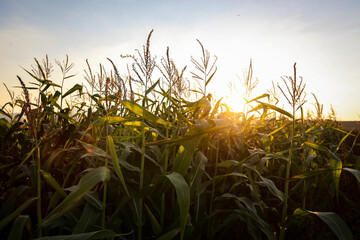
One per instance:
(119,163)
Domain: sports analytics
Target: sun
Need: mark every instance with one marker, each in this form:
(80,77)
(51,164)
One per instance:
(235,101)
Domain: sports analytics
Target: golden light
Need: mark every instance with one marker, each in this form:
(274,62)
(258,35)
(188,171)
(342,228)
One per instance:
(235,101)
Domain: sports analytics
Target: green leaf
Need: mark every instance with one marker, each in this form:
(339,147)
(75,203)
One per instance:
(101,234)
(155,225)
(76,87)
(334,164)
(312,173)
(93,150)
(170,235)
(110,120)
(342,140)
(184,156)
(198,170)
(15,213)
(336,224)
(152,87)
(183,196)
(227,163)
(115,162)
(216,108)
(89,217)
(212,75)
(53,183)
(86,183)
(269,184)
(322,149)
(27,156)
(122,160)
(5,113)
(17,227)
(259,97)
(70,76)
(219,178)
(141,111)
(355,172)
(276,109)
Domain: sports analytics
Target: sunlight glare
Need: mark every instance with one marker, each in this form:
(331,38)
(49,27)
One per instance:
(235,101)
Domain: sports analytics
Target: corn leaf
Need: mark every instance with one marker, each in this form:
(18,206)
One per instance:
(334,164)
(53,183)
(268,183)
(322,149)
(110,120)
(312,173)
(116,164)
(18,226)
(259,97)
(276,109)
(336,224)
(141,111)
(76,87)
(101,234)
(89,217)
(183,196)
(86,183)
(155,225)
(152,87)
(170,235)
(355,172)
(15,213)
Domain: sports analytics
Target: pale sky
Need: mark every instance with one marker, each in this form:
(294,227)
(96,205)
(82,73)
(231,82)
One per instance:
(322,36)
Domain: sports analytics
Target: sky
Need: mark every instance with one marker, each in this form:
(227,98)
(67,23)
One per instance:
(322,37)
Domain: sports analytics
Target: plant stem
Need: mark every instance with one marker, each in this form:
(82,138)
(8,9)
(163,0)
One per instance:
(39,217)
(288,166)
(105,183)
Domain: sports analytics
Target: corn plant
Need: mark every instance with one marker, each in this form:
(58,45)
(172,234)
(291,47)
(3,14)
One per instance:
(138,157)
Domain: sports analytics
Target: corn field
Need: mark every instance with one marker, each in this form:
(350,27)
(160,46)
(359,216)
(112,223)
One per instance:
(139,157)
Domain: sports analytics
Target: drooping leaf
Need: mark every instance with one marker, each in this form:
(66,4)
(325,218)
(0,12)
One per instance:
(336,224)
(116,164)
(216,108)
(311,173)
(152,87)
(155,225)
(183,196)
(109,120)
(218,178)
(86,183)
(89,217)
(276,109)
(76,87)
(268,183)
(342,140)
(322,149)
(101,234)
(259,97)
(170,235)
(355,172)
(53,183)
(18,226)
(93,150)
(15,213)
(141,111)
